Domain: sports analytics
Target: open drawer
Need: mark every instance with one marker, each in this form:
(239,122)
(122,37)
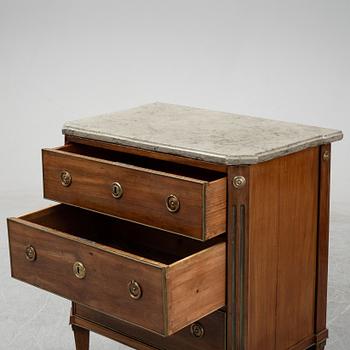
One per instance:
(147,277)
(177,198)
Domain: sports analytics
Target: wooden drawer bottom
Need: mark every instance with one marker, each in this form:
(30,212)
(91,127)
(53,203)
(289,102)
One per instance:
(213,326)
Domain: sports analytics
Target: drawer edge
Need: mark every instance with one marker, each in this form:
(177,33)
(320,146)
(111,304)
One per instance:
(61,152)
(85,242)
(208,294)
(52,271)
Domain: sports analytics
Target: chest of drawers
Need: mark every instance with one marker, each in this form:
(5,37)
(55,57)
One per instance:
(182,228)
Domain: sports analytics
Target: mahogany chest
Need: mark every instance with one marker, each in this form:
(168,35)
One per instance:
(183,228)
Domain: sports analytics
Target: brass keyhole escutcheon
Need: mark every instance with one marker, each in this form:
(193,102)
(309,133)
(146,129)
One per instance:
(172,203)
(30,253)
(79,270)
(135,290)
(197,330)
(66,178)
(117,190)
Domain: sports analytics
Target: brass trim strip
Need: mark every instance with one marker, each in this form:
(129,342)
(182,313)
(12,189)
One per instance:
(204,212)
(165,302)
(225,331)
(233,244)
(241,276)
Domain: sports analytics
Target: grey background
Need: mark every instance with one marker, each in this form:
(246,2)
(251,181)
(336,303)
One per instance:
(60,60)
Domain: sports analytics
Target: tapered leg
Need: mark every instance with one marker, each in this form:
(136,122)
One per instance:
(82,337)
(321,346)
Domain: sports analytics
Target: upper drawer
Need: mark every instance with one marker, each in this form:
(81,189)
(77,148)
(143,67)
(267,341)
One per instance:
(150,278)
(180,199)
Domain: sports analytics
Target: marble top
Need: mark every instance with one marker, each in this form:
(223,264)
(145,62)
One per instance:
(212,136)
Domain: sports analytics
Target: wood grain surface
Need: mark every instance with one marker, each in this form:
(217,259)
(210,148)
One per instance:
(274,250)
(237,255)
(196,286)
(323,243)
(282,250)
(297,232)
(81,337)
(213,325)
(110,269)
(202,193)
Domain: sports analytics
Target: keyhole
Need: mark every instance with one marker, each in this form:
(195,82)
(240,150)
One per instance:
(117,190)
(79,270)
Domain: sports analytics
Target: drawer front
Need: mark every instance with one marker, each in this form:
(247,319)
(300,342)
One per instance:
(206,334)
(105,286)
(147,293)
(178,204)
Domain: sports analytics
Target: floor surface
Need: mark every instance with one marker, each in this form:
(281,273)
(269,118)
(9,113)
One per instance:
(36,320)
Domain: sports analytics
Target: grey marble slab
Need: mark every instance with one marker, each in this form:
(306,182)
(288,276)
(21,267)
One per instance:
(212,136)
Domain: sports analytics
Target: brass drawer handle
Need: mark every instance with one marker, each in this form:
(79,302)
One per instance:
(66,178)
(172,203)
(117,190)
(79,270)
(135,290)
(30,253)
(197,330)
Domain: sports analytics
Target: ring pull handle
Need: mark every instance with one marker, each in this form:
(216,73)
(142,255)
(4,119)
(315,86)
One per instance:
(135,290)
(66,178)
(197,330)
(30,253)
(172,203)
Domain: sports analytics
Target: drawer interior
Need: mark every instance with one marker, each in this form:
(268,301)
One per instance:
(143,162)
(143,241)
(172,274)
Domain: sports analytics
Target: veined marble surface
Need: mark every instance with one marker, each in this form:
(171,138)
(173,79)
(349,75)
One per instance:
(212,136)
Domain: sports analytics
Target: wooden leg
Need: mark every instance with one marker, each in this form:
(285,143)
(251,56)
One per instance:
(321,345)
(82,337)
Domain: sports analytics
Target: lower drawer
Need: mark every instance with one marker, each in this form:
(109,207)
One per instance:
(148,277)
(206,334)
